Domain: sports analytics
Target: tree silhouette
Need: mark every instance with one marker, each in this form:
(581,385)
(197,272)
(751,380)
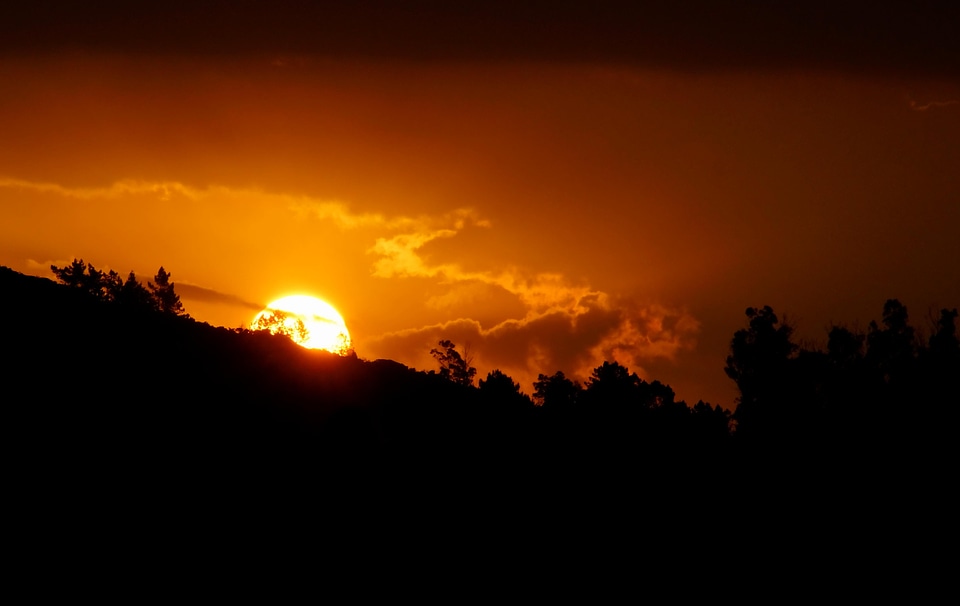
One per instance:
(135,295)
(941,374)
(86,277)
(844,347)
(282,323)
(502,390)
(112,285)
(892,348)
(612,385)
(72,275)
(759,363)
(168,301)
(108,286)
(453,366)
(98,284)
(843,379)
(93,282)
(944,340)
(710,424)
(556,392)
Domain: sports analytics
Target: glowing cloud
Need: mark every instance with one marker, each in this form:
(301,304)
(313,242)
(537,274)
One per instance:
(566,326)
(547,321)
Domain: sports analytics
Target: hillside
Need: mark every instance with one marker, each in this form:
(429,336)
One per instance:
(124,387)
(191,424)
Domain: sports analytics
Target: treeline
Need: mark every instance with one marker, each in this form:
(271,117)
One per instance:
(120,419)
(141,380)
(158,295)
(103,401)
(871,389)
(614,404)
(883,388)
(888,386)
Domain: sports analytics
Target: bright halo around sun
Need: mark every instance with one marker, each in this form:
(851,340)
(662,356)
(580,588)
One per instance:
(309,321)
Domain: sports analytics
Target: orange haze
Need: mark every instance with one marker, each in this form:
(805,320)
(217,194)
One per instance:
(546,212)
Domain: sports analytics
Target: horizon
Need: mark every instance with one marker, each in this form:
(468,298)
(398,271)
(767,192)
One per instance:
(548,189)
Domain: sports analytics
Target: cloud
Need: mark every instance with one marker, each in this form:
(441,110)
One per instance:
(562,325)
(341,215)
(645,333)
(543,321)
(162,190)
(922,107)
(400,257)
(42,268)
(301,206)
(420,229)
(208,295)
(523,348)
(472,294)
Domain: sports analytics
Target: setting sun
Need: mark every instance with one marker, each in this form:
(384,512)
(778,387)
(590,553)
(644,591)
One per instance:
(557,188)
(309,321)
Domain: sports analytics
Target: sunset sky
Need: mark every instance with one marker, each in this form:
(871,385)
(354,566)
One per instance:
(549,186)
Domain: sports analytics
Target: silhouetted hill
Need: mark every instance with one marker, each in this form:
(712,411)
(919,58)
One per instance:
(119,414)
(125,391)
(86,374)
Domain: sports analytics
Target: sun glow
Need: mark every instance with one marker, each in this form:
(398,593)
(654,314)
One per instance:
(309,321)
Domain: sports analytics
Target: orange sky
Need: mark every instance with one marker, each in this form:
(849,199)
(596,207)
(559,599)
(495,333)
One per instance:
(549,211)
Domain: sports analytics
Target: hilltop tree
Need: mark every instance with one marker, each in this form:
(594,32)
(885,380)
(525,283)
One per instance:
(941,366)
(93,282)
(84,276)
(112,285)
(134,294)
(501,389)
(760,364)
(109,286)
(892,347)
(499,383)
(612,385)
(453,366)
(844,347)
(556,392)
(944,341)
(167,300)
(72,275)
(709,424)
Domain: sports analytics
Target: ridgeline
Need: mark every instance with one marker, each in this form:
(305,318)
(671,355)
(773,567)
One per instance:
(106,401)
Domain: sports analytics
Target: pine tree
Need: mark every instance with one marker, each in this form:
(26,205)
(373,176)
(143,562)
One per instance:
(87,278)
(112,285)
(72,275)
(134,294)
(167,301)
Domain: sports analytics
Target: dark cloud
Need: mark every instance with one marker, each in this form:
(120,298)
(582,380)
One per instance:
(207,295)
(879,36)
(631,334)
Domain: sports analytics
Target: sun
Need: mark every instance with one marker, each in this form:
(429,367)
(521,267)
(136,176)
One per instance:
(309,321)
